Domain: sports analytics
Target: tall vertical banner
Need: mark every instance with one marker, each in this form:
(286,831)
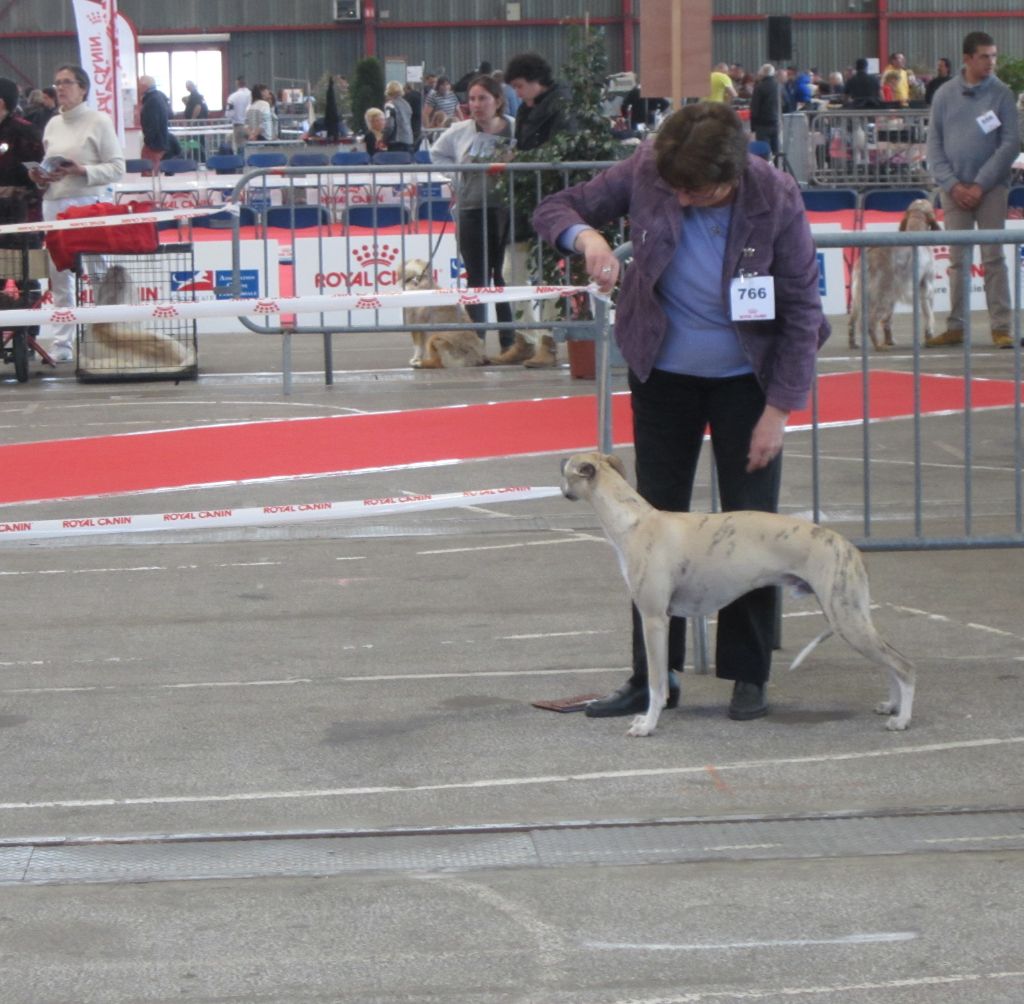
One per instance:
(106,46)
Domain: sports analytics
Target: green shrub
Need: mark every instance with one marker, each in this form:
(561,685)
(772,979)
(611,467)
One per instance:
(1011,73)
(367,90)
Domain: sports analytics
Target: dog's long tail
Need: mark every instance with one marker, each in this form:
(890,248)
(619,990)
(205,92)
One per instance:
(810,647)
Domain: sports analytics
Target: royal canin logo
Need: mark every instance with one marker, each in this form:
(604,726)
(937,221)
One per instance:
(267,307)
(376,254)
(62,316)
(165,311)
(468,298)
(96,17)
(80,224)
(551,289)
(368,303)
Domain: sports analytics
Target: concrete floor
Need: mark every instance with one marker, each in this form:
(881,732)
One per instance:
(301,764)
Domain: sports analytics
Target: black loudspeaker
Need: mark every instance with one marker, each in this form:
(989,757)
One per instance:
(780,38)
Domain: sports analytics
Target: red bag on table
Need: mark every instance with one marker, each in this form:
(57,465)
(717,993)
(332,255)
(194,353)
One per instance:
(132,238)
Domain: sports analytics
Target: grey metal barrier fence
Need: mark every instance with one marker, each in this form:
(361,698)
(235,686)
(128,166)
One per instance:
(868,148)
(332,196)
(999,470)
(380,215)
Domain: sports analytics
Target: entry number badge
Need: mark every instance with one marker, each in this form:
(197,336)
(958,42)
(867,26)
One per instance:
(752,298)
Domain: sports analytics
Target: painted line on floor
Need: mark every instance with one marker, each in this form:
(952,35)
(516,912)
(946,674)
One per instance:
(505,782)
(766,993)
(881,937)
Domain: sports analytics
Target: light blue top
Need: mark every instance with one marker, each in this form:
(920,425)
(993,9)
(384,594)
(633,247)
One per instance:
(701,340)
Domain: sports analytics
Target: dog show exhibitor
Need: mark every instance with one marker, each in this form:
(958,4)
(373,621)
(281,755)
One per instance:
(719,319)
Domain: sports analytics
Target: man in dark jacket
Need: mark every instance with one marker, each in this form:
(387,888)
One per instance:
(544,108)
(543,114)
(863,89)
(19,197)
(765,107)
(154,117)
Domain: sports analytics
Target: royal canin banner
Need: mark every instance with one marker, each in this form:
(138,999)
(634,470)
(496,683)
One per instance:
(106,46)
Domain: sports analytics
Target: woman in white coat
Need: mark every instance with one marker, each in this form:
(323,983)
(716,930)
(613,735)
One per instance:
(83,158)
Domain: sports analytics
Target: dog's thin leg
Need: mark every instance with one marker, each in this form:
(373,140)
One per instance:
(900,705)
(928,310)
(417,348)
(656,647)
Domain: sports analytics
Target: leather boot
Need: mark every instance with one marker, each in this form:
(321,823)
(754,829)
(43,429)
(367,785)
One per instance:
(1001,338)
(631,698)
(520,351)
(951,336)
(544,354)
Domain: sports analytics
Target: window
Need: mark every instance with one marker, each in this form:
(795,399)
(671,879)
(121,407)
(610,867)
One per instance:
(172,66)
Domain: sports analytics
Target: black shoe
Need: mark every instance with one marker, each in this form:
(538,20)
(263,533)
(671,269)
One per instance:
(748,701)
(631,699)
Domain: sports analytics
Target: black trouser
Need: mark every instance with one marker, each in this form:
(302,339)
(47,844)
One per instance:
(769,135)
(482,249)
(670,415)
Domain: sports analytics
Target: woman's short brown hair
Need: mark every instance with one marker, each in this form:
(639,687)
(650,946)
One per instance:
(701,145)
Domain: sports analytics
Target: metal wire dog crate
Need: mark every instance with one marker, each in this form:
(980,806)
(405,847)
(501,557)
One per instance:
(154,349)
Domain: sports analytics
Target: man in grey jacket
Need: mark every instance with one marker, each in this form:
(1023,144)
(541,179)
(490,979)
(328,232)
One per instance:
(973,139)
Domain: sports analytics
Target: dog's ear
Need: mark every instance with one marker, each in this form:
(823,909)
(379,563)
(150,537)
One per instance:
(587,470)
(617,465)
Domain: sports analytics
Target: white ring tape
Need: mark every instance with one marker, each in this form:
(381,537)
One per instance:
(156,216)
(269,307)
(268,515)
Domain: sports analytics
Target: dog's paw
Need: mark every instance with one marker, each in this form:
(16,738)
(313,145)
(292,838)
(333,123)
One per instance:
(897,724)
(641,727)
(885,708)
(416,362)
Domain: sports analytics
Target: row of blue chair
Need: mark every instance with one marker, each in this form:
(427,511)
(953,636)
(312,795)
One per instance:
(231,163)
(308,217)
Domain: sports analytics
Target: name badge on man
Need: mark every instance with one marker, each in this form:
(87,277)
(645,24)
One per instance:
(752,298)
(988,122)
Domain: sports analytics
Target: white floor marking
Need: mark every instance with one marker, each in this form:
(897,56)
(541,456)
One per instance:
(575,539)
(883,937)
(699,996)
(504,782)
(380,678)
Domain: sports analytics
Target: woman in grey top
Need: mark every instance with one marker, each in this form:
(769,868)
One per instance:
(482,229)
(398,127)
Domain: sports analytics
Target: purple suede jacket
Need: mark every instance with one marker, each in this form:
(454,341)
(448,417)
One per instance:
(769,235)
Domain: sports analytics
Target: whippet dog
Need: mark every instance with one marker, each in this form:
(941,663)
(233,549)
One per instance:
(693,564)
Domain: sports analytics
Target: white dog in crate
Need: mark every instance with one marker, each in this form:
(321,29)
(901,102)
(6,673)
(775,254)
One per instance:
(128,345)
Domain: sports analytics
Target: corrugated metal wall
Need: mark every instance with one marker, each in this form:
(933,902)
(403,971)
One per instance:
(265,44)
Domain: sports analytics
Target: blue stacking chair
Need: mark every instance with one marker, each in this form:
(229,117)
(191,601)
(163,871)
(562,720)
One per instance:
(392,157)
(297,217)
(434,210)
(350,158)
(890,200)
(266,160)
(178,165)
(223,220)
(375,216)
(225,163)
(311,159)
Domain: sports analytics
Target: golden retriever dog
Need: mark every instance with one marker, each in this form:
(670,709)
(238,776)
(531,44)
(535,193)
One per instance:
(891,280)
(439,349)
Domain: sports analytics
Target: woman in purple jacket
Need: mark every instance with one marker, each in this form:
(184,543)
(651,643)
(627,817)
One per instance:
(719,319)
